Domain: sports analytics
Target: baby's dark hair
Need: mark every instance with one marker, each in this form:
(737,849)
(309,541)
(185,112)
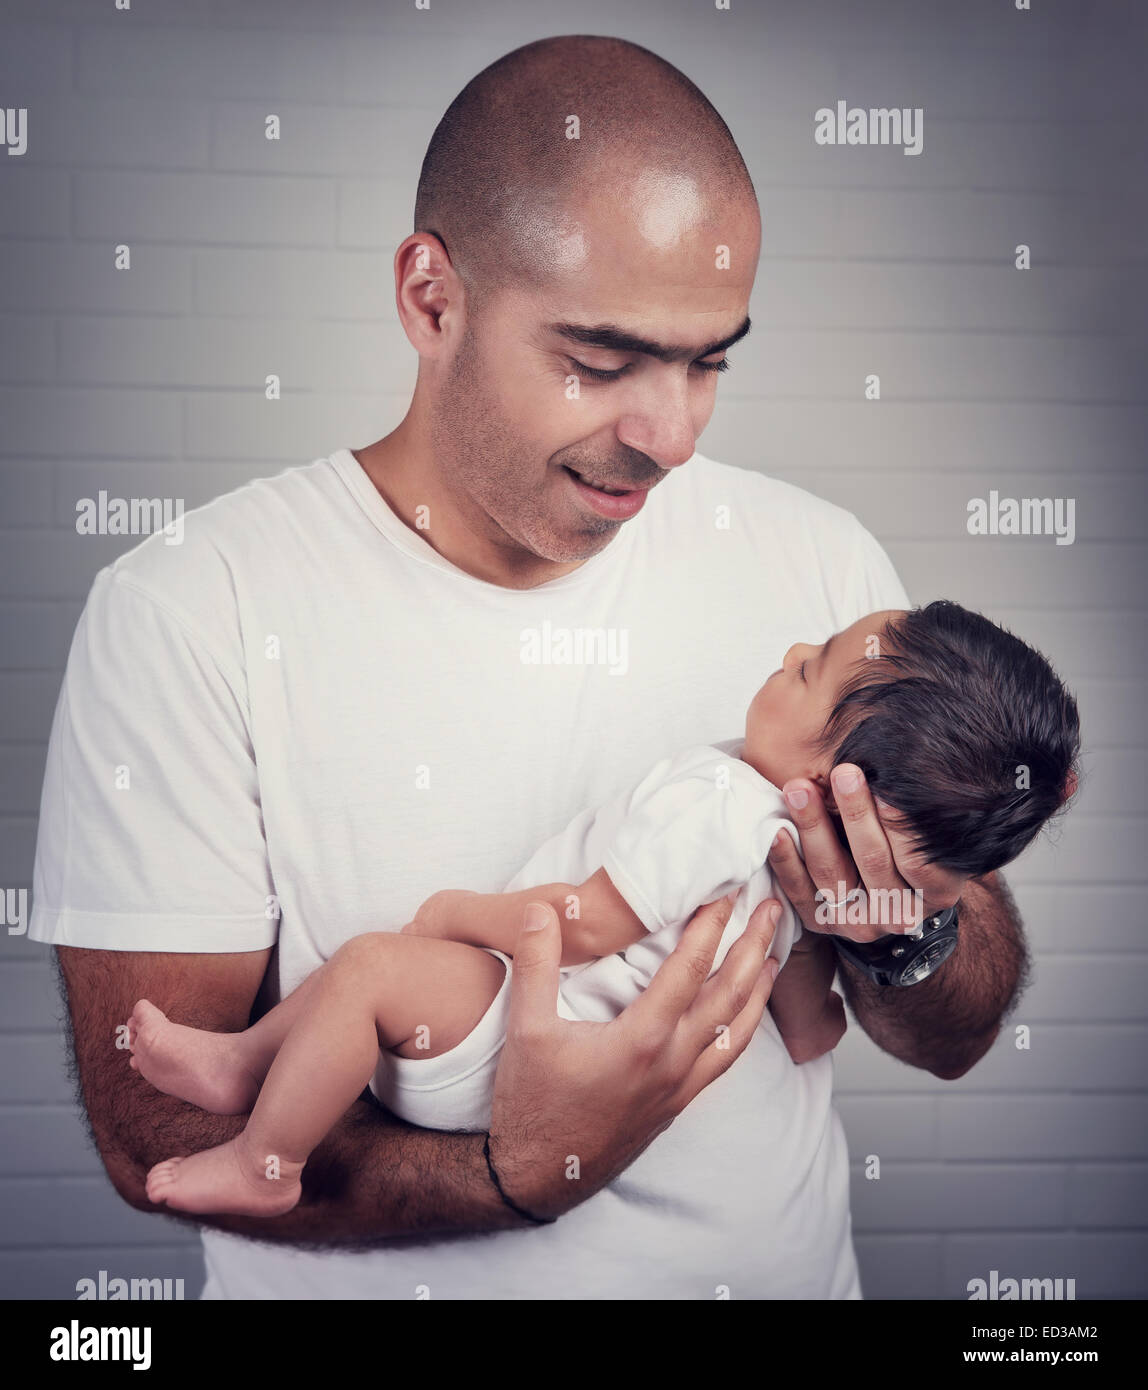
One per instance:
(964,730)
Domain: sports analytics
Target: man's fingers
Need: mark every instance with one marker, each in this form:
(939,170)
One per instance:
(534,980)
(940,887)
(728,992)
(868,841)
(793,878)
(679,978)
(731,1042)
(816,912)
(825,859)
(855,891)
(828,867)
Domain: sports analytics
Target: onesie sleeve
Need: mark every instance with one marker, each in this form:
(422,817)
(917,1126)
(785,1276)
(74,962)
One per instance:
(151,832)
(698,826)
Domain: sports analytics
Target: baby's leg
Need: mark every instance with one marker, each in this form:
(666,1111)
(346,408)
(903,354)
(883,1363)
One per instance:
(380,990)
(219,1072)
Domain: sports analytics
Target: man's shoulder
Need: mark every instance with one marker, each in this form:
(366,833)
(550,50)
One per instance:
(752,524)
(237,533)
(761,500)
(200,571)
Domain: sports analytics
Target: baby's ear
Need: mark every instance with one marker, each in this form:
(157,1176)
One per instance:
(825,787)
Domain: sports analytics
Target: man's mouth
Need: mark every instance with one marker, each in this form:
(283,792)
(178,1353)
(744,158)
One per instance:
(603,487)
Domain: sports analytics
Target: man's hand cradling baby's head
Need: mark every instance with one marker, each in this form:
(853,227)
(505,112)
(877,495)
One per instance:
(966,731)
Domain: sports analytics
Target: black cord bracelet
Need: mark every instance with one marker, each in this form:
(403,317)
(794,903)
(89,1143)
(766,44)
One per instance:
(513,1205)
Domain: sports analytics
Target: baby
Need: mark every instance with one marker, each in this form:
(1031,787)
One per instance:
(959,726)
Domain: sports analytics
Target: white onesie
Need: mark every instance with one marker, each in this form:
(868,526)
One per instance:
(696,827)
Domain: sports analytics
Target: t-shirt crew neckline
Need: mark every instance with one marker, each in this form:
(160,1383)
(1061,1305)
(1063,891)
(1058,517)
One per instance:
(394,529)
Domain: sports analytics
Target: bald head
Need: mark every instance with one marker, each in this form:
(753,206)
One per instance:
(504,183)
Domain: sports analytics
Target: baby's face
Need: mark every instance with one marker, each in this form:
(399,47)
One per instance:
(789,712)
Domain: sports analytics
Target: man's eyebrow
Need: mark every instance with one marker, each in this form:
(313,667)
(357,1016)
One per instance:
(606,335)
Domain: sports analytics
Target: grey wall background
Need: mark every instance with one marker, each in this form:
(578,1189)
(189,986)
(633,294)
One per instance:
(249,257)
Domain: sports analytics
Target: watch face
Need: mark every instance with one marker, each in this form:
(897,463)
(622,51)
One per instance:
(923,965)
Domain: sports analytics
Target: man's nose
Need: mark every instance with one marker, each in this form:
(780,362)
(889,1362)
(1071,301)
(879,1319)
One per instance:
(663,430)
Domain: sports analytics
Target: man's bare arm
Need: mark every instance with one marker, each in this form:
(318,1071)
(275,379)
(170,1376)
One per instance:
(373,1177)
(612,1087)
(948,1022)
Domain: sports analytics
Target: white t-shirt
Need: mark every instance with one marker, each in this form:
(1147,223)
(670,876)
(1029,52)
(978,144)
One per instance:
(304,710)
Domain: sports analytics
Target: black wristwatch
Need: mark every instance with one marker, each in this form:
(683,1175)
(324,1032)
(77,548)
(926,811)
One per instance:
(905,960)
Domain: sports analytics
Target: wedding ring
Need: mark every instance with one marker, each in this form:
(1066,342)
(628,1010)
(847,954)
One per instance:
(851,896)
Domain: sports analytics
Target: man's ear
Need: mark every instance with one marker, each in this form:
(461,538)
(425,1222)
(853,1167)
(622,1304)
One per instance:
(427,290)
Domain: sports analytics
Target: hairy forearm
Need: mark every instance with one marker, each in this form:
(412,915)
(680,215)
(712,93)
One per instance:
(371,1179)
(948,1022)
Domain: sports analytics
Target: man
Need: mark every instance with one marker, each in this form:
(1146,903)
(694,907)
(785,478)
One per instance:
(343,693)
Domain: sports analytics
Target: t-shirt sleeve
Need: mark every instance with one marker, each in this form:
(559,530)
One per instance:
(151,833)
(692,834)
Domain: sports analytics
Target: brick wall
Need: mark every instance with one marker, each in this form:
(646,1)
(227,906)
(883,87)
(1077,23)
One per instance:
(248,256)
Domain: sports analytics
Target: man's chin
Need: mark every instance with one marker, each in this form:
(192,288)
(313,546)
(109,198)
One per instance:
(590,539)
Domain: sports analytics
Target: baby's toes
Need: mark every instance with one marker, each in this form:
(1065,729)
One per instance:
(161,1177)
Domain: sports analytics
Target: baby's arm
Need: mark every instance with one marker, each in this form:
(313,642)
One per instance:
(595,919)
(809,1014)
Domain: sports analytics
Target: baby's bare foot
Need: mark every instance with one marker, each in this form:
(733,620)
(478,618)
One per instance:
(204,1068)
(226,1180)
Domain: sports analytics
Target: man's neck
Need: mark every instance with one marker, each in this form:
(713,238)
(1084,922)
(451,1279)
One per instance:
(458,530)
